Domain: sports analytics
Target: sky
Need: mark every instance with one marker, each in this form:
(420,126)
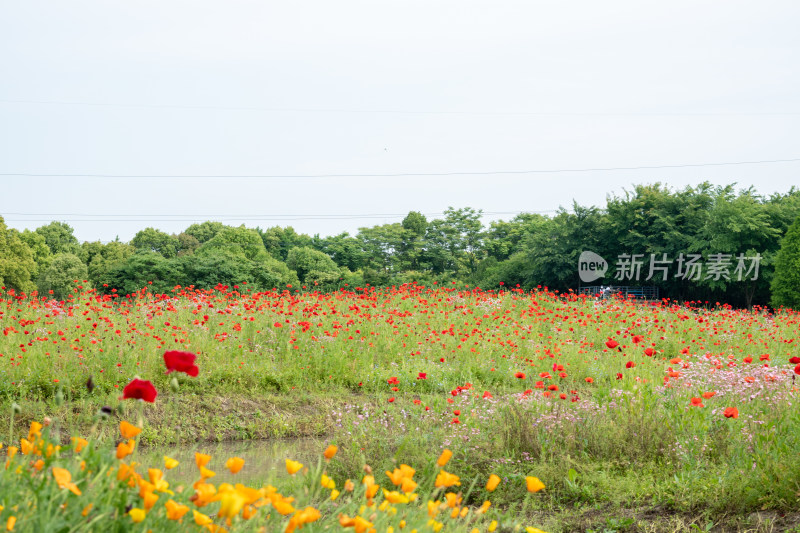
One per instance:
(116,116)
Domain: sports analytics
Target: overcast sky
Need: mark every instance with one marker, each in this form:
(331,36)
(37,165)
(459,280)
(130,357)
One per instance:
(268,88)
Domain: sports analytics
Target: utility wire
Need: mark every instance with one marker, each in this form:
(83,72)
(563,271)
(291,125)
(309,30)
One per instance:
(400,174)
(386,111)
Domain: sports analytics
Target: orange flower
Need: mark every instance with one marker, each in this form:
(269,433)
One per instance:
(293,466)
(534,484)
(330,451)
(708,395)
(124,449)
(697,402)
(444,458)
(64,480)
(80,444)
(201,459)
(494,480)
(128,430)
(445,479)
(234,464)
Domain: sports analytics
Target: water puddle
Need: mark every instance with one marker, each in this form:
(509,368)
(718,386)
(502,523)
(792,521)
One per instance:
(263,460)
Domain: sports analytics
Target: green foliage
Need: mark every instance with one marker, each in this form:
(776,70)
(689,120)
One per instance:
(62,277)
(154,240)
(241,242)
(17,264)
(205,231)
(59,237)
(312,265)
(786,282)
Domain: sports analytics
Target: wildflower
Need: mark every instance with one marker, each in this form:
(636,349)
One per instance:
(445,479)
(293,466)
(80,444)
(137,515)
(731,412)
(330,452)
(64,480)
(519,375)
(139,389)
(697,402)
(124,449)
(612,344)
(175,511)
(534,484)
(444,457)
(176,361)
(200,519)
(128,430)
(170,463)
(327,482)
(234,464)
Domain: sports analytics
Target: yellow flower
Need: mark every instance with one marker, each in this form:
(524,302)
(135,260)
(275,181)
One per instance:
(530,529)
(205,473)
(170,463)
(10,524)
(128,430)
(234,464)
(330,451)
(282,506)
(444,458)
(64,480)
(293,466)
(137,515)
(12,451)
(494,480)
(200,519)
(445,479)
(534,484)
(327,482)
(80,444)
(492,526)
(334,494)
(230,503)
(394,497)
(175,511)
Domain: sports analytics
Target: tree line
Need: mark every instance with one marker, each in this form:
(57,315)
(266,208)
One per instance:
(648,223)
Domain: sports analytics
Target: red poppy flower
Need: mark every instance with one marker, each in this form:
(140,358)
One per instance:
(630,364)
(181,362)
(612,344)
(520,375)
(731,412)
(422,375)
(649,352)
(697,402)
(139,389)
(795,360)
(797,369)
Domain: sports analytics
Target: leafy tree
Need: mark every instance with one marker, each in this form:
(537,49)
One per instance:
(346,251)
(786,281)
(155,240)
(455,243)
(187,244)
(205,231)
(16,260)
(278,241)
(239,241)
(312,265)
(41,252)
(59,238)
(101,258)
(144,269)
(60,277)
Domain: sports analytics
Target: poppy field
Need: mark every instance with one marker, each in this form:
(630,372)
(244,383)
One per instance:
(632,416)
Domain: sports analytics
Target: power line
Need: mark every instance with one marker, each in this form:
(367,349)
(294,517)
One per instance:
(237,216)
(400,174)
(388,111)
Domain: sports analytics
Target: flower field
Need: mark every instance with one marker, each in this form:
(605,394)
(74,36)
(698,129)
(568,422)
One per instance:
(632,416)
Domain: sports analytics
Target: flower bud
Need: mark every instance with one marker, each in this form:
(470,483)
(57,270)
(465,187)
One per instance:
(173,384)
(15,408)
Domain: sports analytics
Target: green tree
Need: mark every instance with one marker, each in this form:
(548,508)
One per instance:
(241,241)
(786,280)
(16,260)
(312,265)
(205,231)
(41,252)
(278,241)
(155,240)
(59,238)
(60,277)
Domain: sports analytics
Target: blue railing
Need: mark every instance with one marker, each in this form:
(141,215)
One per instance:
(608,291)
